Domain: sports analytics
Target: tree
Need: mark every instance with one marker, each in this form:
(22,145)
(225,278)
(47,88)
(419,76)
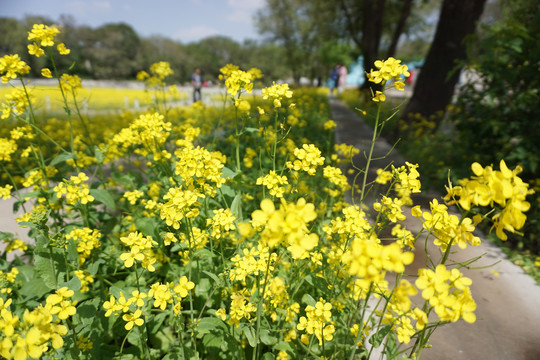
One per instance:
(301,27)
(112,51)
(438,77)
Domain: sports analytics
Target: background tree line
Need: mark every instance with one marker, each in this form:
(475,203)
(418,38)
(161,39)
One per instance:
(116,51)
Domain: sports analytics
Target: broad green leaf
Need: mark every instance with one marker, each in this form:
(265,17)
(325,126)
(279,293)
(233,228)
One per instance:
(266,338)
(208,324)
(73,284)
(213,340)
(147,226)
(250,336)
(48,264)
(251,129)
(61,158)
(99,155)
(228,173)
(34,288)
(104,197)
(284,346)
(377,338)
(213,276)
(309,300)
(236,207)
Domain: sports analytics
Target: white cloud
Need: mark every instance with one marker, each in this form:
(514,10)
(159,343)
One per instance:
(195,33)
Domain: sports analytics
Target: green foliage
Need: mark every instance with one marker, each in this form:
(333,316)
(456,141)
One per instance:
(496,112)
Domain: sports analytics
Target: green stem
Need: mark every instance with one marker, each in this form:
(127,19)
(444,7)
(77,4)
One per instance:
(370,155)
(259,307)
(74,336)
(237,138)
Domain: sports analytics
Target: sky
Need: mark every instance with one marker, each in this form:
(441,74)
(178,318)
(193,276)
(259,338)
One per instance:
(183,20)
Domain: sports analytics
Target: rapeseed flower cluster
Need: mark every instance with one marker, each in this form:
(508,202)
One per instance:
(488,187)
(447,228)
(44,36)
(17,102)
(275,183)
(200,169)
(7,148)
(140,250)
(222,223)
(448,293)
(32,335)
(12,67)
(307,159)
(252,261)
(70,83)
(75,190)
(406,179)
(167,204)
(158,72)
(85,240)
(318,322)
(237,80)
(286,226)
(388,69)
(181,204)
(277,92)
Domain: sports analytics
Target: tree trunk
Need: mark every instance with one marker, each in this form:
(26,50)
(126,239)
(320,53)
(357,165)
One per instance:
(371,35)
(437,79)
(405,12)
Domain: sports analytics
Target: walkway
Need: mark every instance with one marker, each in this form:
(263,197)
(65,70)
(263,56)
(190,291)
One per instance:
(508,305)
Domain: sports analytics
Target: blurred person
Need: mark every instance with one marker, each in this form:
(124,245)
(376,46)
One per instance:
(196,82)
(334,79)
(342,77)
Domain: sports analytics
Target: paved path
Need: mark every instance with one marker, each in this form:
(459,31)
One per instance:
(508,306)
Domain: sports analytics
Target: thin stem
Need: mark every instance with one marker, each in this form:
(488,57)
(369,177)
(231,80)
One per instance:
(259,307)
(370,155)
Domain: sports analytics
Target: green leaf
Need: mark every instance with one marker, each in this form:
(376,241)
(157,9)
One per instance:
(266,338)
(99,155)
(213,340)
(148,226)
(249,335)
(213,276)
(72,254)
(87,311)
(236,207)
(104,197)
(156,321)
(44,261)
(61,158)
(284,346)
(268,356)
(34,288)
(226,190)
(208,324)
(228,173)
(73,284)
(377,339)
(309,300)
(250,129)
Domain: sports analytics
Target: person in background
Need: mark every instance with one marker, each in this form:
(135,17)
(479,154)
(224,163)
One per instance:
(342,78)
(334,79)
(196,82)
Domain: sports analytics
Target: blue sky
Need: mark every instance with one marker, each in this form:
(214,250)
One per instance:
(183,20)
